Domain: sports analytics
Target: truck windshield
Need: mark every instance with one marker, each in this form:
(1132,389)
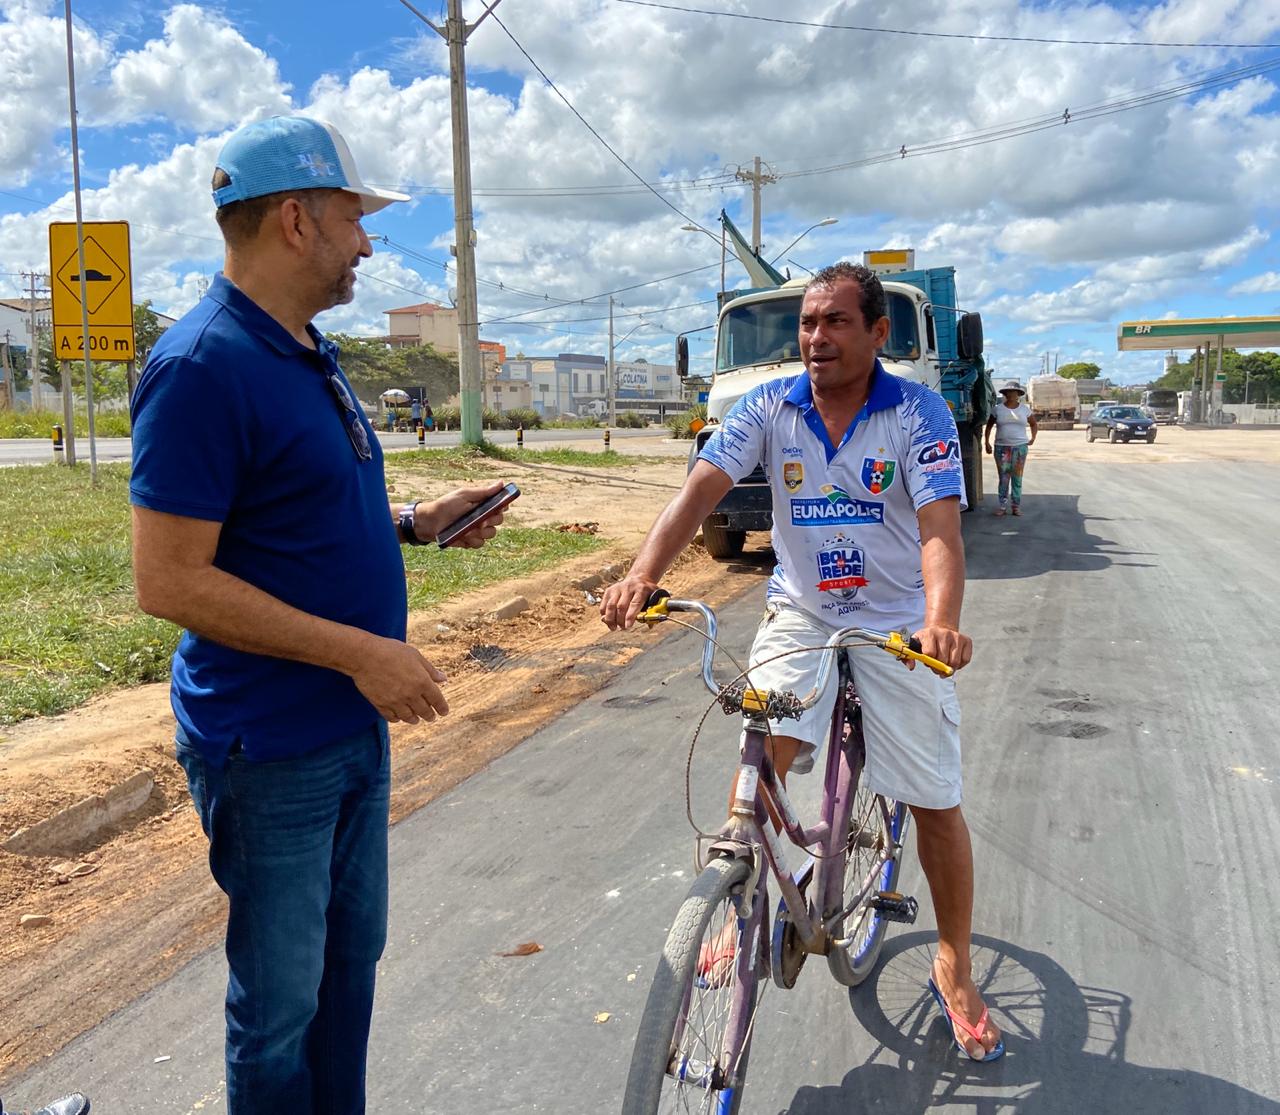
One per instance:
(760,333)
(904,340)
(1160,399)
(768,332)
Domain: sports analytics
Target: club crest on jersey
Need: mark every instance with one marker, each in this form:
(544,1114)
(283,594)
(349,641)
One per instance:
(840,570)
(793,475)
(877,474)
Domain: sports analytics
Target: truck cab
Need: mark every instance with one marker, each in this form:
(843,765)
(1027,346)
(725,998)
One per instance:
(757,340)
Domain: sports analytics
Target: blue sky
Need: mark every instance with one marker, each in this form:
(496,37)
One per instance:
(1167,210)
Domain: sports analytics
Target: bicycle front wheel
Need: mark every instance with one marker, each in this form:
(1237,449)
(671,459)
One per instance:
(871,839)
(695,1034)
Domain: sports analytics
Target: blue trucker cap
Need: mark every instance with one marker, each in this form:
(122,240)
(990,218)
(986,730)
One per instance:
(292,153)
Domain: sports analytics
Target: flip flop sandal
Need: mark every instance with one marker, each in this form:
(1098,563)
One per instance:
(974,1031)
(715,964)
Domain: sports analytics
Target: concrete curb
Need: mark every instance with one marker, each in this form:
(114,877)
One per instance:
(72,828)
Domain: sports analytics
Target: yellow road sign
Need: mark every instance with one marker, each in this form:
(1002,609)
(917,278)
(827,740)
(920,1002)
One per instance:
(108,290)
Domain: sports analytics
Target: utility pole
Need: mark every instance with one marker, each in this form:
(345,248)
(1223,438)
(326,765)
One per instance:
(610,391)
(33,359)
(84,293)
(455,32)
(10,399)
(757,178)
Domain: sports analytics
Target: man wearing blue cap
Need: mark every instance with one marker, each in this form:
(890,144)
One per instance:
(275,547)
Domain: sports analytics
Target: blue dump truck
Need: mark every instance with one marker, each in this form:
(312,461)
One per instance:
(930,341)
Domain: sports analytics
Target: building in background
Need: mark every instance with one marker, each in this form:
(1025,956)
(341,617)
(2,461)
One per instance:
(424,324)
(573,383)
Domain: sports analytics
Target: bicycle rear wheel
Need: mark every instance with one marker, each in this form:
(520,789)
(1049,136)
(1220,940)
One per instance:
(870,838)
(695,1034)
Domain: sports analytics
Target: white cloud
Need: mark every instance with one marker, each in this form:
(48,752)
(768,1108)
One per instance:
(1076,225)
(202,75)
(1266,283)
(33,86)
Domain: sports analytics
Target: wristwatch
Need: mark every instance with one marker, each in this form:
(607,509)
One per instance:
(408,529)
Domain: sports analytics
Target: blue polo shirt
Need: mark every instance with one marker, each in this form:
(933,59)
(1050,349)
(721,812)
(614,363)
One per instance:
(844,516)
(235,422)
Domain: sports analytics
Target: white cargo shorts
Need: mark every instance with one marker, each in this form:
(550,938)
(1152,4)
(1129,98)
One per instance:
(910,718)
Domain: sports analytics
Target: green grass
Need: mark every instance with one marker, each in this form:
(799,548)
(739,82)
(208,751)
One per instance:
(458,457)
(69,626)
(435,575)
(39,423)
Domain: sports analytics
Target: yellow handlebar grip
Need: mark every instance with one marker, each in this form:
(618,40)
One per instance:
(897,646)
(655,613)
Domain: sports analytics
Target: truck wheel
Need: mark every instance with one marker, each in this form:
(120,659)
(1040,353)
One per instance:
(721,542)
(971,463)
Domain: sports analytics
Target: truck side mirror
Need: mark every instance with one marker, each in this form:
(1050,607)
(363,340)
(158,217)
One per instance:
(969,336)
(682,356)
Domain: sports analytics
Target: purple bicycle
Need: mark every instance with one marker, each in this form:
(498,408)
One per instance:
(694,1043)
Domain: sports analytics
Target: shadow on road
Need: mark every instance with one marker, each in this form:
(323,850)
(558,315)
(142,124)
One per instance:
(1051,535)
(1065,1047)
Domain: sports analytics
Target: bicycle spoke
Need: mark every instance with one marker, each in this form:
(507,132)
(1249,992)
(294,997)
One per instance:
(700,1064)
(868,843)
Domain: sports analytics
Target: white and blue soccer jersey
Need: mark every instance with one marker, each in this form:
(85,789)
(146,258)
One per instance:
(844,517)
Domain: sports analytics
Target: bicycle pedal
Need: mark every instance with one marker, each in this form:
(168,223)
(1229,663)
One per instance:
(894,906)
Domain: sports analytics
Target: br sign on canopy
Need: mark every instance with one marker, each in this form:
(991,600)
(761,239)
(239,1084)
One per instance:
(108,290)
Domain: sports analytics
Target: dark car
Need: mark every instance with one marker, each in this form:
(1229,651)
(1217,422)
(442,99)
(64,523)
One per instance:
(1121,423)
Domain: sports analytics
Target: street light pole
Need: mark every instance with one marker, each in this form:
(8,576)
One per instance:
(84,293)
(826,221)
(611,390)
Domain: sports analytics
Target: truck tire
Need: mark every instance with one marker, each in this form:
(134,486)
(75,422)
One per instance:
(721,542)
(972,465)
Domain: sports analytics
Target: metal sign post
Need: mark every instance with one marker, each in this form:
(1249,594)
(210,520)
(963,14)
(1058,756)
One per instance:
(68,413)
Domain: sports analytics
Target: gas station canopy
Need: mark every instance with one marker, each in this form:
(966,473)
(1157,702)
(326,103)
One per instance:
(1231,332)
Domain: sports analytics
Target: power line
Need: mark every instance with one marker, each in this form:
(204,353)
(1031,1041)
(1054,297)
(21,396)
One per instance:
(513,318)
(632,313)
(603,142)
(998,132)
(939,34)
(721,180)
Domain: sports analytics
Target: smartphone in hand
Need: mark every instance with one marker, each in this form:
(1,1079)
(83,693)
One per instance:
(477,515)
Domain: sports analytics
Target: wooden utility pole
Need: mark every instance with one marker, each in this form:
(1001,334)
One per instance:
(10,398)
(455,32)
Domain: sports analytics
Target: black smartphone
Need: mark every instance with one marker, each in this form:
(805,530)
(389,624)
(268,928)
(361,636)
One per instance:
(475,516)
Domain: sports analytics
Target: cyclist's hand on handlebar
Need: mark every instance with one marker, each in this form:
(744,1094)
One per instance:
(624,600)
(946,645)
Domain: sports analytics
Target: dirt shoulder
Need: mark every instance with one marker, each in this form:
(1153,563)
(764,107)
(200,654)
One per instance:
(145,903)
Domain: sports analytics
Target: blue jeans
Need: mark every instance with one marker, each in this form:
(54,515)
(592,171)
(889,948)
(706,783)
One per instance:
(300,848)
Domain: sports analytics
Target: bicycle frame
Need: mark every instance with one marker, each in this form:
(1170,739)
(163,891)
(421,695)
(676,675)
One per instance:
(751,836)
(757,788)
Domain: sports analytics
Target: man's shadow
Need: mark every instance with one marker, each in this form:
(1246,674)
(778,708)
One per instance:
(1065,1047)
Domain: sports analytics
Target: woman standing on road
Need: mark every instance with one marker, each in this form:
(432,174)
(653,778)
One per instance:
(1011,420)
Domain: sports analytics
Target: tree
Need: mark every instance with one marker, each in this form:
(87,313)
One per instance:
(146,331)
(373,367)
(110,379)
(1080,370)
(1261,370)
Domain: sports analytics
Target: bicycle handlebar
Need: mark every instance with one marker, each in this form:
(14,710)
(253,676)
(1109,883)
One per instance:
(785,704)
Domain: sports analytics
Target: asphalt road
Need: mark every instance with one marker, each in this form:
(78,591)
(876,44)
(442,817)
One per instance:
(1122,786)
(37,451)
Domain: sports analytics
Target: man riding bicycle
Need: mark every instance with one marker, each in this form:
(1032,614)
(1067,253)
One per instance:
(865,474)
